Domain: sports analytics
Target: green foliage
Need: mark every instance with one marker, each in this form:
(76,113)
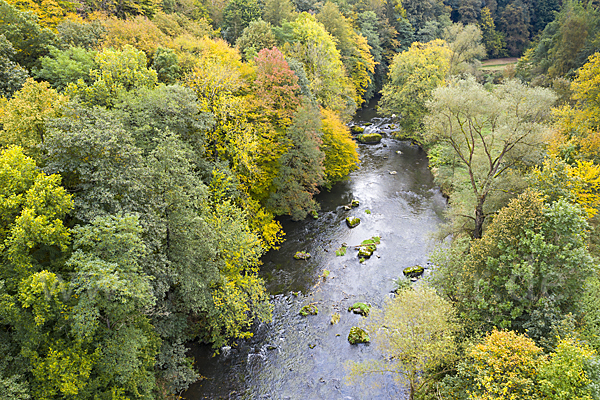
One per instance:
(12,75)
(492,39)
(485,137)
(21,29)
(358,335)
(237,15)
(309,42)
(62,67)
(255,37)
(117,72)
(84,35)
(353,47)
(166,65)
(415,333)
(277,11)
(566,375)
(414,74)
(526,271)
(300,168)
(360,308)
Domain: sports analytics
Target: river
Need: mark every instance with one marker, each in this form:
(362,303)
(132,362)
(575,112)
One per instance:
(304,358)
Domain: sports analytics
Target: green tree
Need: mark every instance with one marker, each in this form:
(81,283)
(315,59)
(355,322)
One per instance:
(515,23)
(523,274)
(21,29)
(465,44)
(414,74)
(277,11)
(301,169)
(12,75)
(62,67)
(354,49)
(237,16)
(416,333)
(25,117)
(256,36)
(484,135)
(491,38)
(311,44)
(569,374)
(116,73)
(81,34)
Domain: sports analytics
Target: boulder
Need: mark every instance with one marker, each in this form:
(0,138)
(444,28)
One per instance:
(352,222)
(302,255)
(355,203)
(358,335)
(369,138)
(360,308)
(309,309)
(357,129)
(414,271)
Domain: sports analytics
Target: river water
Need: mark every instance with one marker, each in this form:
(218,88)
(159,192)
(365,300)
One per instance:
(304,358)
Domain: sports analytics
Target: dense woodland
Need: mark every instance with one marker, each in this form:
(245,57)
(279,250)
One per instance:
(148,148)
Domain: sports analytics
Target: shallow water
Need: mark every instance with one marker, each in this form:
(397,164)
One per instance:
(296,357)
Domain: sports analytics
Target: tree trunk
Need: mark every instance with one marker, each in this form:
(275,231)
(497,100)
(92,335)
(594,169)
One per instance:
(479,218)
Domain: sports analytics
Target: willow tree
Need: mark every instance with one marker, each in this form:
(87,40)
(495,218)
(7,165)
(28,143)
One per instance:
(480,137)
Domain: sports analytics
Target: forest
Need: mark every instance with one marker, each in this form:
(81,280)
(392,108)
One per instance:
(150,148)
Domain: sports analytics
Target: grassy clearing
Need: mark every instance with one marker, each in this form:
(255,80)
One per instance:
(497,64)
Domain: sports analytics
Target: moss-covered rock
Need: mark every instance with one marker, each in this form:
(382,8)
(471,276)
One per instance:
(414,271)
(302,255)
(369,138)
(309,309)
(355,203)
(360,308)
(314,214)
(358,335)
(335,318)
(365,252)
(357,129)
(352,222)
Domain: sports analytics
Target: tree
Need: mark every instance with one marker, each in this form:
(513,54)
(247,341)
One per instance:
(117,72)
(465,44)
(276,86)
(414,74)
(80,34)
(579,124)
(416,333)
(487,134)
(578,184)
(506,367)
(354,49)
(515,24)
(62,67)
(22,30)
(341,157)
(237,16)
(490,37)
(300,168)
(255,37)
(25,117)
(277,11)
(12,75)
(310,43)
(569,373)
(526,272)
